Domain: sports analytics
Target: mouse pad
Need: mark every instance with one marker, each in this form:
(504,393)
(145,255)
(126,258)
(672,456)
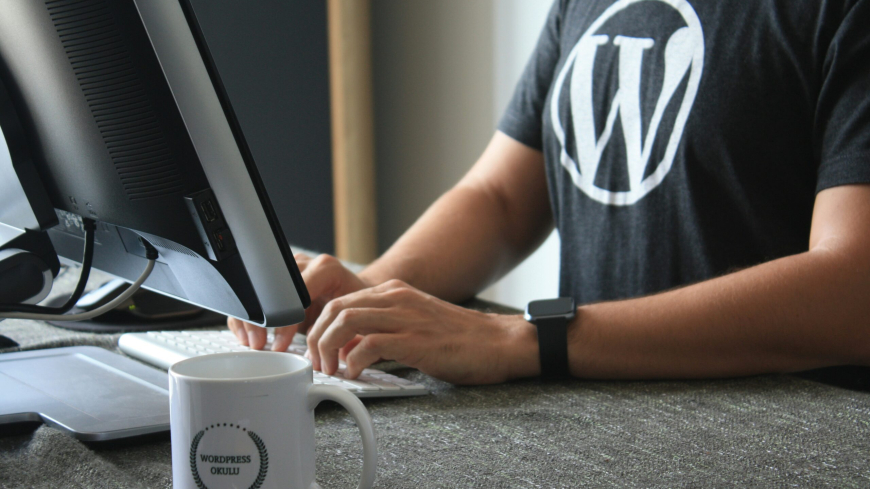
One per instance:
(88,392)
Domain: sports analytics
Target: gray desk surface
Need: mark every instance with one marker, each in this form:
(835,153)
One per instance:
(762,431)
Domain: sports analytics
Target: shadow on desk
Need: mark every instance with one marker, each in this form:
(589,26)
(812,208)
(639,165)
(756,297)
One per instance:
(849,377)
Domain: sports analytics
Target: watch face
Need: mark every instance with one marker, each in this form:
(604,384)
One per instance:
(551,308)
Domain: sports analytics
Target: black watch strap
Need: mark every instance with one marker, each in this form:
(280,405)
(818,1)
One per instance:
(553,346)
(551,317)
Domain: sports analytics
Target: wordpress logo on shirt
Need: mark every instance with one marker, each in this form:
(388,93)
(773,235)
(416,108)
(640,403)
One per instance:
(622,99)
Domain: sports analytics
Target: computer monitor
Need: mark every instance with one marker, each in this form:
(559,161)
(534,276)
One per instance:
(129,121)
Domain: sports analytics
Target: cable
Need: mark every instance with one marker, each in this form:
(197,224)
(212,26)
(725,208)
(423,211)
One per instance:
(150,254)
(90,227)
(87,260)
(84,316)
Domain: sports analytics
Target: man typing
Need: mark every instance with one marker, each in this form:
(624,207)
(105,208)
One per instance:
(707,166)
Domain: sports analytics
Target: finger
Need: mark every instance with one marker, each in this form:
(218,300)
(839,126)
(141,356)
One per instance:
(301,260)
(346,349)
(321,275)
(283,338)
(312,336)
(367,298)
(311,315)
(236,327)
(380,297)
(345,327)
(371,349)
(324,276)
(312,354)
(256,336)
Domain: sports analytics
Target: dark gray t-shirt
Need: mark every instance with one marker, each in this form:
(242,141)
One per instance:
(687,138)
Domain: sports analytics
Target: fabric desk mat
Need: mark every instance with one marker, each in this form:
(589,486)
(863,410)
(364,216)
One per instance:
(772,430)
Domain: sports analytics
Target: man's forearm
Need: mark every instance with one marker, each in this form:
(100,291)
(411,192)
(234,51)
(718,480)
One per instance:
(456,248)
(477,231)
(800,312)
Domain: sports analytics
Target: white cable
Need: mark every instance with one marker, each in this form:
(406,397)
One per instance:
(84,316)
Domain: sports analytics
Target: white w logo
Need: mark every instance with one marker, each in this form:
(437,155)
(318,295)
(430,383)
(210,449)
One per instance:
(684,51)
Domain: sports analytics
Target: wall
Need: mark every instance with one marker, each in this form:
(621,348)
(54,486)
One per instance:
(443,73)
(518,24)
(433,101)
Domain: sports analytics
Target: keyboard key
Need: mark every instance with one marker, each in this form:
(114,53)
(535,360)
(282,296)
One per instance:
(339,383)
(403,383)
(363,386)
(384,376)
(383,384)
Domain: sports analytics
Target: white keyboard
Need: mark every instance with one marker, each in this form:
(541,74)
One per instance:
(164,348)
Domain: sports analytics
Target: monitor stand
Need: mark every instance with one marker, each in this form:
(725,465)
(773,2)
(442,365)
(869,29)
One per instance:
(144,311)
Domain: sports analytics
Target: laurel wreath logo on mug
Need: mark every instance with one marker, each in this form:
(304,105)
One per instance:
(250,465)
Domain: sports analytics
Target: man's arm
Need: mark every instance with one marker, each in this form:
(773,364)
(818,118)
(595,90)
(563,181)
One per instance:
(795,313)
(476,232)
(798,312)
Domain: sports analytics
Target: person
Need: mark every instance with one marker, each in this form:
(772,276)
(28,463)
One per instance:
(706,164)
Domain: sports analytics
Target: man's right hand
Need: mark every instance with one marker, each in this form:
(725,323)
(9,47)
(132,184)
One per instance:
(326,278)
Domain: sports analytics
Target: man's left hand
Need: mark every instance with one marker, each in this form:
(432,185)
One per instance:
(395,321)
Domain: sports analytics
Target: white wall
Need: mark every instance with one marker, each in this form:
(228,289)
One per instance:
(444,72)
(518,24)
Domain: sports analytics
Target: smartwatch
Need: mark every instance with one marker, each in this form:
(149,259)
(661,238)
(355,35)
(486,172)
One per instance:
(551,317)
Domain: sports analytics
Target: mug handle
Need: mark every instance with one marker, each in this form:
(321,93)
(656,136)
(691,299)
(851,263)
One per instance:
(318,393)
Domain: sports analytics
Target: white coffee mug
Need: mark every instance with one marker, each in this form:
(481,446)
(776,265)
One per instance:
(246,420)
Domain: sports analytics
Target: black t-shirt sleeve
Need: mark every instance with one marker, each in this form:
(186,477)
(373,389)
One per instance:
(842,127)
(523,118)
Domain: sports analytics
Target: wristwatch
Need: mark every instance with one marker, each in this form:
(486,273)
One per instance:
(551,317)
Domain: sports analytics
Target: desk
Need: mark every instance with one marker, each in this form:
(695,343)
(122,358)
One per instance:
(761,431)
